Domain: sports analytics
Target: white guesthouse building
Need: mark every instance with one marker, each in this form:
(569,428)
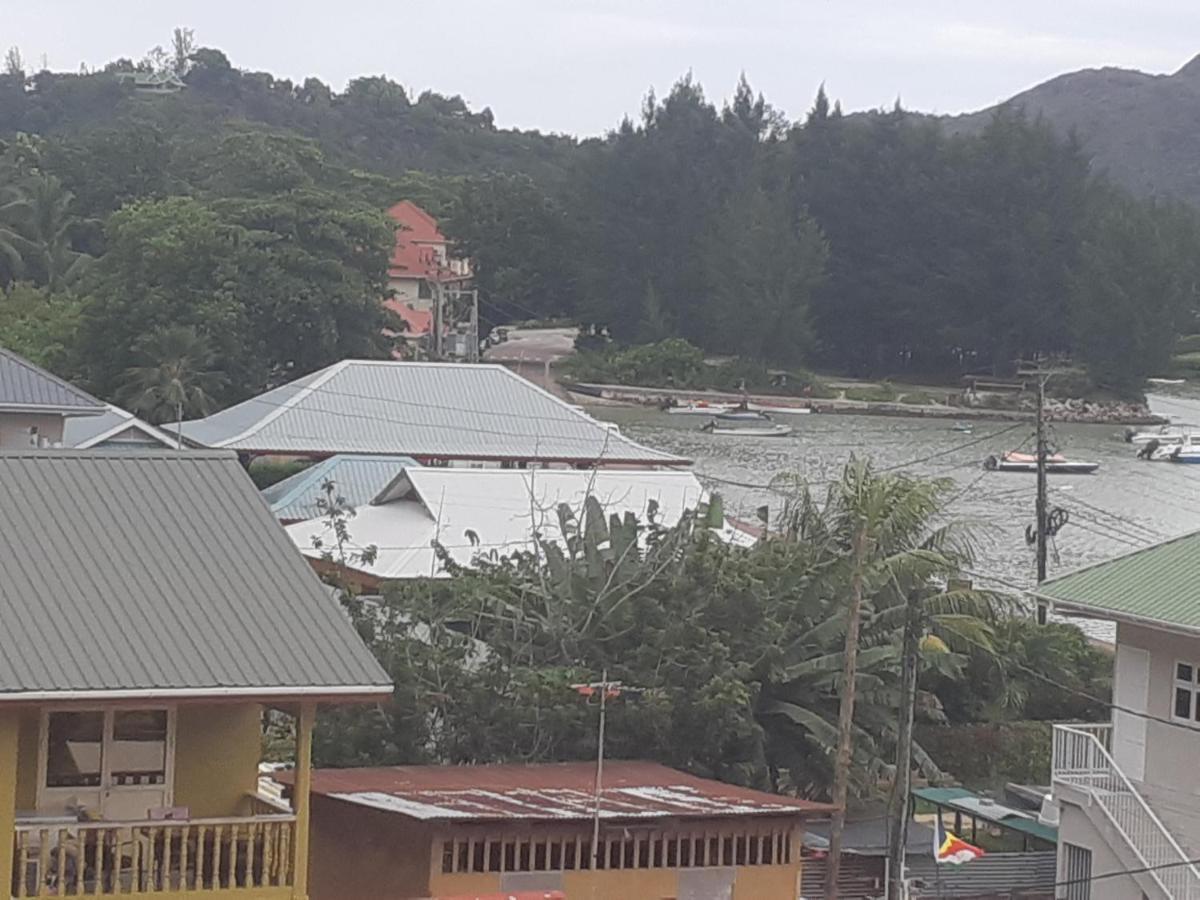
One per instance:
(1127,791)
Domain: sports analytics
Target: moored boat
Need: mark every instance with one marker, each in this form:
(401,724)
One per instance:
(1056,464)
(1186,453)
(1165,435)
(701,408)
(747,429)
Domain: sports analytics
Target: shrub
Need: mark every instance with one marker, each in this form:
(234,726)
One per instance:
(988,755)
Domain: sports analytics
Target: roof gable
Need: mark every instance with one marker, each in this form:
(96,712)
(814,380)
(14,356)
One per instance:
(1158,584)
(26,386)
(357,480)
(162,573)
(116,427)
(442,410)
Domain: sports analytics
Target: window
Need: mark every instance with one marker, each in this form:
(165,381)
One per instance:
(424,291)
(138,753)
(1185,705)
(102,749)
(1077,872)
(73,746)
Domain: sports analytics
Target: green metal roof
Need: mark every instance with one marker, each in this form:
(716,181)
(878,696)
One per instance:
(1158,584)
(1031,827)
(941,796)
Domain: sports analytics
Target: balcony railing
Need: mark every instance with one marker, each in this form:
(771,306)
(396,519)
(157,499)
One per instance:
(1082,761)
(153,857)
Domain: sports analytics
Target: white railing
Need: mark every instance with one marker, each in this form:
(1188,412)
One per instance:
(1082,760)
(153,857)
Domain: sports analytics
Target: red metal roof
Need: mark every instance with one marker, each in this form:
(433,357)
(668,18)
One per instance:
(419,321)
(420,245)
(551,791)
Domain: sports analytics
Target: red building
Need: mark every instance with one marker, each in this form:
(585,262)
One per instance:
(420,260)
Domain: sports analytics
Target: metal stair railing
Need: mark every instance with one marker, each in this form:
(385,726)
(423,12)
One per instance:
(1082,760)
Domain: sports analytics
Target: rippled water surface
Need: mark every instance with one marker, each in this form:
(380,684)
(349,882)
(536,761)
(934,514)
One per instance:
(1127,504)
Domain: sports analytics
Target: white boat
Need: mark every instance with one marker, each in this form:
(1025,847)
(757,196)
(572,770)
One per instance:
(1164,435)
(1056,464)
(1167,381)
(1186,453)
(747,429)
(962,427)
(743,415)
(700,408)
(1162,451)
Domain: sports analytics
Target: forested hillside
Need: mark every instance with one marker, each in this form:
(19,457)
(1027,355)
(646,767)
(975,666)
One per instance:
(235,231)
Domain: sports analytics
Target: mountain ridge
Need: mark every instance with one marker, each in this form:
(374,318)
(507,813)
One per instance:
(1141,129)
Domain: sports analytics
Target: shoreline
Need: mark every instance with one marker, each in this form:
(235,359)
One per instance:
(1081,412)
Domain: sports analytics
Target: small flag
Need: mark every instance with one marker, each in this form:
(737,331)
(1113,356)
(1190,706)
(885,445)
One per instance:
(950,849)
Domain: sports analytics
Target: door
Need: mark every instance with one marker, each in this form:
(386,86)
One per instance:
(706,884)
(117,764)
(1131,690)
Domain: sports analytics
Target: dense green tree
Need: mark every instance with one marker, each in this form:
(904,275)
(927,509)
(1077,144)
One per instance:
(41,326)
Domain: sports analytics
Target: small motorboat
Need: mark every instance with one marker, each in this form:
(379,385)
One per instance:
(700,408)
(1186,453)
(1164,435)
(742,428)
(962,427)
(1056,464)
(743,415)
(1167,381)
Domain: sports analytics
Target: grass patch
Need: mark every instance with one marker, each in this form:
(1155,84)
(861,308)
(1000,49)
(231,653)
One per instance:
(879,393)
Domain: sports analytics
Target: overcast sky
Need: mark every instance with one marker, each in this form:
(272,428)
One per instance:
(578,65)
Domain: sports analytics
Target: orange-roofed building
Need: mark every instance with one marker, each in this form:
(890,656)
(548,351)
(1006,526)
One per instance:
(406,832)
(420,260)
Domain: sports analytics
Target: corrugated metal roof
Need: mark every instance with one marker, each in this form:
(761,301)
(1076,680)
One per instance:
(22,384)
(419,409)
(357,479)
(116,428)
(1160,584)
(158,571)
(550,791)
(496,511)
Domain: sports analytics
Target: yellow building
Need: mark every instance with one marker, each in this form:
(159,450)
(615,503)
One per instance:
(461,831)
(151,612)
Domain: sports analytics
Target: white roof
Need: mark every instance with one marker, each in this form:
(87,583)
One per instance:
(423,410)
(494,512)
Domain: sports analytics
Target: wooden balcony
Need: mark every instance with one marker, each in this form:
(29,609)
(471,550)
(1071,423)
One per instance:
(250,857)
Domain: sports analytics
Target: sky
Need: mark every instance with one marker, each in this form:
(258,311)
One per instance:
(578,66)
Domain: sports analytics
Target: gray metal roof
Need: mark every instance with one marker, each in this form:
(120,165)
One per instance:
(161,572)
(26,386)
(357,480)
(422,410)
(115,428)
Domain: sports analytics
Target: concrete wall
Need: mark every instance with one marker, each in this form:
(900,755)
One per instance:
(217,750)
(1075,827)
(370,854)
(407,290)
(14,430)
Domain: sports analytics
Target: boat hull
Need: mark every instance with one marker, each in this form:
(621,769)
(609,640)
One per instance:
(749,430)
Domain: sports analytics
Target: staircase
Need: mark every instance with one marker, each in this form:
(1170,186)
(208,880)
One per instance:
(1081,761)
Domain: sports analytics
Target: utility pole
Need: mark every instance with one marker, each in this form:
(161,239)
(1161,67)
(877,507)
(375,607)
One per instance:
(898,807)
(606,689)
(438,318)
(1042,523)
(473,347)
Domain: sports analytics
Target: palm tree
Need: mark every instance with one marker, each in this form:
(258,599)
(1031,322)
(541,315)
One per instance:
(42,227)
(880,545)
(176,378)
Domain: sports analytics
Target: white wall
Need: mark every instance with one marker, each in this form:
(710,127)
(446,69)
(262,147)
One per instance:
(14,430)
(1076,828)
(1172,752)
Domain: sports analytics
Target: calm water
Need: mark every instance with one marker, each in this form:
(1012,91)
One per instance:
(1129,503)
